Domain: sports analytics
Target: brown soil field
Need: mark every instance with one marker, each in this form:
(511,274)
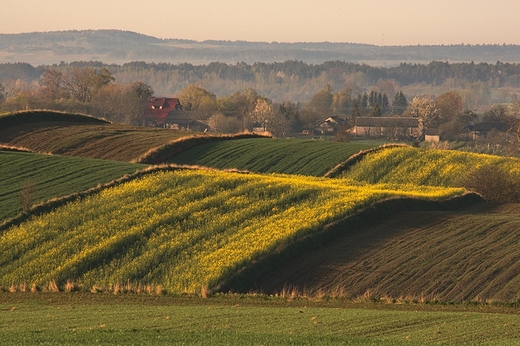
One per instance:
(471,254)
(102,141)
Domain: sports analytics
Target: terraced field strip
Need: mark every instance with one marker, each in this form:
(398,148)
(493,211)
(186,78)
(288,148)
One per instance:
(184,230)
(466,255)
(53,319)
(408,165)
(51,176)
(107,141)
(267,155)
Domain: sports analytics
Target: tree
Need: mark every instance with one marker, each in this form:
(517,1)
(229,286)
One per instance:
(364,101)
(321,102)
(385,104)
(263,113)
(399,103)
(142,93)
(495,184)
(376,111)
(83,82)
(355,112)
(286,120)
(425,110)
(122,103)
(51,83)
(342,102)
(218,122)
(451,119)
(449,106)
(198,100)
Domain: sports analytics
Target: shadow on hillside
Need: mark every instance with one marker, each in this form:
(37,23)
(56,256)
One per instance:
(336,262)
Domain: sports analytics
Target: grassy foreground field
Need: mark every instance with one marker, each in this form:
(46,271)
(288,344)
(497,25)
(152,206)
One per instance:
(184,230)
(51,176)
(82,318)
(268,155)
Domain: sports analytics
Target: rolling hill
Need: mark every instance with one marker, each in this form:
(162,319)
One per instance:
(51,176)
(466,255)
(267,155)
(408,165)
(52,132)
(386,228)
(189,230)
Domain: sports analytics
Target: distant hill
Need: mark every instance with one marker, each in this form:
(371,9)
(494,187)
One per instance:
(116,46)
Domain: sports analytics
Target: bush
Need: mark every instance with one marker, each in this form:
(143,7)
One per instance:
(495,184)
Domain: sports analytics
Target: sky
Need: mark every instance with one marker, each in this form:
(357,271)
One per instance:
(379,22)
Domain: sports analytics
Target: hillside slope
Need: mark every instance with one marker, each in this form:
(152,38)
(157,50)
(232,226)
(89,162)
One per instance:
(408,165)
(73,138)
(268,155)
(51,176)
(184,229)
(471,254)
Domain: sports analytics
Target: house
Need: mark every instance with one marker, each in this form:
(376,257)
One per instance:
(157,110)
(330,125)
(483,130)
(387,127)
(183,120)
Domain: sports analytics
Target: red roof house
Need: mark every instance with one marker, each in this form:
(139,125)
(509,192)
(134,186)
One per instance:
(158,108)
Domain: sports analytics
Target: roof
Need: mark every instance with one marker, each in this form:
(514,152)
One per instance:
(157,108)
(489,126)
(387,121)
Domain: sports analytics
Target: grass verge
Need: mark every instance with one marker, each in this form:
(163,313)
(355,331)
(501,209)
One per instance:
(77,318)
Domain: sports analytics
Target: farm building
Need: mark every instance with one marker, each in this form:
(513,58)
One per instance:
(386,127)
(183,120)
(157,110)
(432,135)
(483,130)
(329,126)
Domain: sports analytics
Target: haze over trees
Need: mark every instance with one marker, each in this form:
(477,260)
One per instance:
(116,46)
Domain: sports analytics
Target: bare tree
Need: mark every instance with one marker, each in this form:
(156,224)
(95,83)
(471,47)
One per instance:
(51,83)
(83,82)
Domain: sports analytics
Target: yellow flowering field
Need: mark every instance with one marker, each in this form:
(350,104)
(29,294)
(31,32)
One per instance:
(408,165)
(182,230)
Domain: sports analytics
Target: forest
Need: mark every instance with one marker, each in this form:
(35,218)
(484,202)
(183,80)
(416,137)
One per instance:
(295,80)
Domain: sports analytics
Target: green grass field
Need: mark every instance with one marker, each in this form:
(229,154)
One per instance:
(107,319)
(267,155)
(51,176)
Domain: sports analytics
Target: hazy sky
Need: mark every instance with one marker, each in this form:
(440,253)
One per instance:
(388,22)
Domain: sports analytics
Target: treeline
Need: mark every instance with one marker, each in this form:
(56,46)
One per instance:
(290,80)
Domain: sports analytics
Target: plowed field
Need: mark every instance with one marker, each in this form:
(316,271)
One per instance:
(472,254)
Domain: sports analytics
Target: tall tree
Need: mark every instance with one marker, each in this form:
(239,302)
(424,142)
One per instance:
(399,103)
(449,106)
(376,111)
(321,102)
(198,100)
(83,82)
(425,110)
(342,102)
(51,83)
